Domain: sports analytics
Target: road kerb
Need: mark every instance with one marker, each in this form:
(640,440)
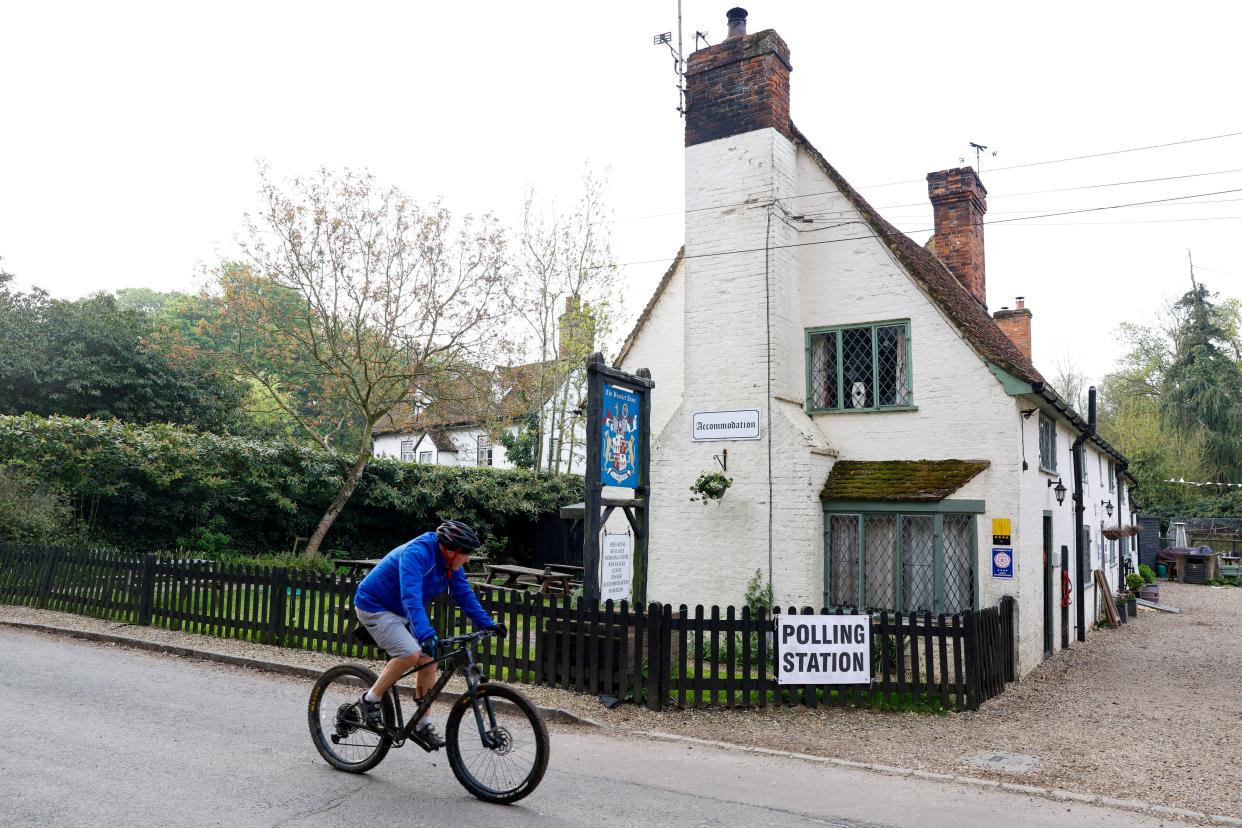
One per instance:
(552,714)
(1029,790)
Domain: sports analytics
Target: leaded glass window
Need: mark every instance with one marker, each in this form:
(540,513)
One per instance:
(895,557)
(1047,444)
(959,582)
(859,368)
(881,575)
(843,560)
(918,585)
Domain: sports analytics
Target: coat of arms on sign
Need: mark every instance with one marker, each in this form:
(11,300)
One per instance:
(619,444)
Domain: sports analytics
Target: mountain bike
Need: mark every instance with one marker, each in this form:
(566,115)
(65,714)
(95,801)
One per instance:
(497,742)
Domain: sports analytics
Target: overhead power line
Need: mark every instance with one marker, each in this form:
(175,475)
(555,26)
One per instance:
(1072,158)
(997,169)
(926,229)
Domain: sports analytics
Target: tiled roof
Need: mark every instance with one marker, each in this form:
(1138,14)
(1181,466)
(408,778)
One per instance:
(468,400)
(441,441)
(904,480)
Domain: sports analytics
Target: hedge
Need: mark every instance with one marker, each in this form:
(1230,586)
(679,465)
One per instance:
(160,487)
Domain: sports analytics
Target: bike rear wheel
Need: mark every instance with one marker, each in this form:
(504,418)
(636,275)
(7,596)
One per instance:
(515,763)
(335,720)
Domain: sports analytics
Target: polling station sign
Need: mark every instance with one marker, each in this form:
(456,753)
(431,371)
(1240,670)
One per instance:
(823,649)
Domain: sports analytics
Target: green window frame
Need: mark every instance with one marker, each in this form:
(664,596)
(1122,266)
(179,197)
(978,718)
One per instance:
(902,557)
(1047,444)
(864,367)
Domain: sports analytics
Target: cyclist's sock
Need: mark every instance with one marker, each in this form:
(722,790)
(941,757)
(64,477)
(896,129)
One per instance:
(424,721)
(370,697)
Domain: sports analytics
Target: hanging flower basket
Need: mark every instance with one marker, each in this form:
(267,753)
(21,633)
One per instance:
(1118,532)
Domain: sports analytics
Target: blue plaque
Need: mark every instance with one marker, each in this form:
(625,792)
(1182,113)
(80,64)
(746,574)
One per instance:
(619,438)
(1002,562)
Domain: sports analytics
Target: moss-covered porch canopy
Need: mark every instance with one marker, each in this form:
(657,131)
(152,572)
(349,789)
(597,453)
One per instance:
(899,480)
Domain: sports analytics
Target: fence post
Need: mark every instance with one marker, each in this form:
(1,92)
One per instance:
(655,635)
(276,607)
(146,590)
(970,632)
(1007,635)
(45,591)
(666,654)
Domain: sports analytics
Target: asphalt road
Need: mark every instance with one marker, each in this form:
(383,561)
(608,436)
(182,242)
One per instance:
(101,735)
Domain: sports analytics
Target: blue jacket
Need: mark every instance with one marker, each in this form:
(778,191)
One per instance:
(409,577)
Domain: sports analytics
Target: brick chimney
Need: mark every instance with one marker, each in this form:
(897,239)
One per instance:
(739,85)
(959,200)
(576,331)
(1016,324)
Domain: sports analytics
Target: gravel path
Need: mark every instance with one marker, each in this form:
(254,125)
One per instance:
(1151,711)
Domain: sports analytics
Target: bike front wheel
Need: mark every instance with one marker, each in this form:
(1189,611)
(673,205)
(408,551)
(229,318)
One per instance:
(510,762)
(335,720)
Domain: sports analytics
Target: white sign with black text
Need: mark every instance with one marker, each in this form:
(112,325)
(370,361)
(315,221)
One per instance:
(725,425)
(616,566)
(823,649)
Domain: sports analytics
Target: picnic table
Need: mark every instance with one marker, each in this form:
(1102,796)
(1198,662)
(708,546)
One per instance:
(568,569)
(545,579)
(359,567)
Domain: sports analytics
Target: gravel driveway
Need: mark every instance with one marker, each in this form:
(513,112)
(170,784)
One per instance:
(1151,711)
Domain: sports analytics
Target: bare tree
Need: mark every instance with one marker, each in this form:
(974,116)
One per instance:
(376,299)
(566,296)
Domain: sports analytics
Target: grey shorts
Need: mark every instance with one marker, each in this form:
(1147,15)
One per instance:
(390,631)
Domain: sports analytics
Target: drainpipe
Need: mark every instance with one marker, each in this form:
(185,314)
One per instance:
(1121,564)
(1080,505)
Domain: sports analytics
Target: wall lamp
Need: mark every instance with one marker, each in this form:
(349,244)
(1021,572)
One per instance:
(1059,491)
(1108,506)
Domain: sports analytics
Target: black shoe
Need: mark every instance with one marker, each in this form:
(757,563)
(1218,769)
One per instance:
(372,717)
(427,733)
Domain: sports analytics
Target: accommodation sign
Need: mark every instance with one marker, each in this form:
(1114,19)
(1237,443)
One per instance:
(823,649)
(618,445)
(725,425)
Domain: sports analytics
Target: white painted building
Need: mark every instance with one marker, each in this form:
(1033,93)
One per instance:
(898,419)
(462,428)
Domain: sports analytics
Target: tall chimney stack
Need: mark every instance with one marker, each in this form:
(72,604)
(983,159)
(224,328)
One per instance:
(959,200)
(1016,324)
(739,85)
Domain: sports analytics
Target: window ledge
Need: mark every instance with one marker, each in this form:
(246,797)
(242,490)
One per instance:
(1049,472)
(886,409)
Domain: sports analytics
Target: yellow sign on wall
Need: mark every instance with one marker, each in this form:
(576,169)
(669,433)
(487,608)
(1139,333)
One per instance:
(1002,532)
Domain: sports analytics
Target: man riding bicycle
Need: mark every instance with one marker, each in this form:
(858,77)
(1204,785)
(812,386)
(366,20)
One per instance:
(391,602)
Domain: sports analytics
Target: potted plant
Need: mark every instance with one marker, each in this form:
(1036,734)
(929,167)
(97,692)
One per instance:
(710,486)
(1149,590)
(1135,582)
(1120,599)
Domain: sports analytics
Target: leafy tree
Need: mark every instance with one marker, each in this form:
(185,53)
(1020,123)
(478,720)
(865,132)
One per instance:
(373,297)
(566,297)
(520,447)
(93,358)
(1202,391)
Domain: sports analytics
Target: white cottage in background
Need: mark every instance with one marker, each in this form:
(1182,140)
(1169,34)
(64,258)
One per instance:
(900,421)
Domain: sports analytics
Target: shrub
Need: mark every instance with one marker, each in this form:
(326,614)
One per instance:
(1134,581)
(1149,574)
(158,487)
(31,512)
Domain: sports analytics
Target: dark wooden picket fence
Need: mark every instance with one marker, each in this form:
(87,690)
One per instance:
(653,655)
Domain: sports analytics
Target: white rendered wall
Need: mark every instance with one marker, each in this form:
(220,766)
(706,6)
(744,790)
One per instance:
(660,347)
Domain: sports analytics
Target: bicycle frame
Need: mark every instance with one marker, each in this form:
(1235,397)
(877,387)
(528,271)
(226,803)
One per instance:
(474,677)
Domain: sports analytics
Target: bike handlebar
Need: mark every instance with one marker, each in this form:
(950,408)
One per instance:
(465,639)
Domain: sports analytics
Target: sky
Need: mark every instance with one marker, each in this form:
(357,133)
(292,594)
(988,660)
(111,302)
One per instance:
(132,132)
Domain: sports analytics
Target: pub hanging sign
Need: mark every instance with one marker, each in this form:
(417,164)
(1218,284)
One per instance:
(619,444)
